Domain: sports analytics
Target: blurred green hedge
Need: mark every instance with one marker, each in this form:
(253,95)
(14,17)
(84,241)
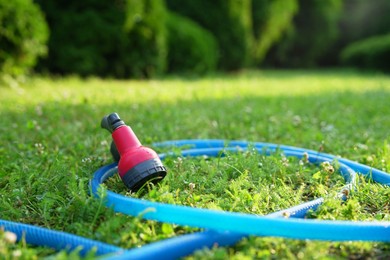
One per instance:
(145,53)
(270,20)
(192,49)
(229,21)
(23,36)
(371,53)
(362,19)
(122,38)
(314,30)
(143,39)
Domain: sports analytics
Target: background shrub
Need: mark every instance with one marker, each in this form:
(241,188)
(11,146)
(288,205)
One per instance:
(229,21)
(23,35)
(129,38)
(270,18)
(145,51)
(315,29)
(362,19)
(191,49)
(83,36)
(370,53)
(106,38)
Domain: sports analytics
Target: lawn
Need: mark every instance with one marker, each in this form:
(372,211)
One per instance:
(51,143)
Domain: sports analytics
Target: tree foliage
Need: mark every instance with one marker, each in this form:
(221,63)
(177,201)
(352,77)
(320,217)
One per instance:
(106,38)
(142,39)
(192,49)
(271,18)
(370,53)
(314,30)
(362,19)
(23,35)
(229,21)
(145,52)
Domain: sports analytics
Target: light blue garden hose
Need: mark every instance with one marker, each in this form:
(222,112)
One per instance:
(226,228)
(56,239)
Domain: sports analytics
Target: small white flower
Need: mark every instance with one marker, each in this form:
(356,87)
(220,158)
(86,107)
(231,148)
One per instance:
(10,237)
(305,157)
(40,148)
(17,253)
(38,110)
(296,120)
(285,161)
(325,164)
(86,160)
(327,167)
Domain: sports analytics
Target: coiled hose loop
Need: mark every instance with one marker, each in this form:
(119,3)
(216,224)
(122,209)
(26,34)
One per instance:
(223,228)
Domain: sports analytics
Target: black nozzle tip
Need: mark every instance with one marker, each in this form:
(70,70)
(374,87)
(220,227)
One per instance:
(111,122)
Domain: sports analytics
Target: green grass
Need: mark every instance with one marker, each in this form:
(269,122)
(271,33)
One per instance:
(51,143)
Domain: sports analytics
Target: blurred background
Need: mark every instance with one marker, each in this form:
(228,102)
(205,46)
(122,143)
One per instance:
(150,38)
